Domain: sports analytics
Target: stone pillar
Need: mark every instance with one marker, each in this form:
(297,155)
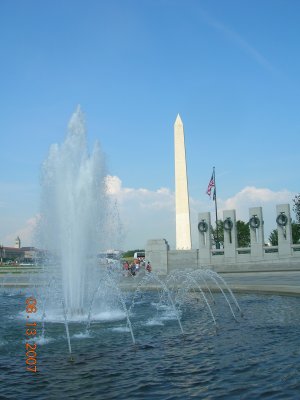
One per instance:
(204,230)
(183,226)
(256,232)
(157,253)
(230,235)
(284,227)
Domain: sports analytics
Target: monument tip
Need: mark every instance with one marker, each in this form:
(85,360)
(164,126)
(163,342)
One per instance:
(178,120)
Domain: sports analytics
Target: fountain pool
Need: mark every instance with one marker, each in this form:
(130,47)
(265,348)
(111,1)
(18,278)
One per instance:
(256,358)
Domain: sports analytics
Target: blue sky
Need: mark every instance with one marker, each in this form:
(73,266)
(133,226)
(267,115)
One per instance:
(230,68)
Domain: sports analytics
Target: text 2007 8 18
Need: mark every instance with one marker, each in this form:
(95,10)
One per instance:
(31,354)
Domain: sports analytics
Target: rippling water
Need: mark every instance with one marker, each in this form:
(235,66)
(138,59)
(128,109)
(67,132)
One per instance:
(257,357)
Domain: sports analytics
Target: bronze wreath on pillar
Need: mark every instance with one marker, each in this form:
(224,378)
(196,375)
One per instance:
(202,226)
(228,224)
(254,222)
(282,219)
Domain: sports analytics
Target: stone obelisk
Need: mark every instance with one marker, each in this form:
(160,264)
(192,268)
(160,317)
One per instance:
(183,226)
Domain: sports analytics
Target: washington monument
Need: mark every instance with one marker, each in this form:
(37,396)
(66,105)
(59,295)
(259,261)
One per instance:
(183,226)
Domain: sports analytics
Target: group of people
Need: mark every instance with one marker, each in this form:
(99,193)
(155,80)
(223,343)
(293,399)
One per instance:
(133,268)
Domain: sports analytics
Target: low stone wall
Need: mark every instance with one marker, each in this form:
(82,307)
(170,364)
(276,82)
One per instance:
(181,259)
(283,264)
(164,260)
(256,257)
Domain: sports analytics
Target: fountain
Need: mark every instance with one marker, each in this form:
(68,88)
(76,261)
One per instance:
(73,225)
(180,335)
(73,212)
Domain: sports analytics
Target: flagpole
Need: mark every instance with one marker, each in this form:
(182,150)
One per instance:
(216,209)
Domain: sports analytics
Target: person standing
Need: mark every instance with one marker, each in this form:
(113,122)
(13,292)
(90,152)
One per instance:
(148,267)
(132,269)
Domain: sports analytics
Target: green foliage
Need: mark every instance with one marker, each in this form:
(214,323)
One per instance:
(130,253)
(218,236)
(296,207)
(273,238)
(243,233)
(296,232)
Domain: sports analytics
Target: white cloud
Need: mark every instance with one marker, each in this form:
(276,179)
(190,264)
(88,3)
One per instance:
(145,214)
(161,198)
(251,196)
(141,214)
(150,214)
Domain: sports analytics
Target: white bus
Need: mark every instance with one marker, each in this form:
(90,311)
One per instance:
(139,255)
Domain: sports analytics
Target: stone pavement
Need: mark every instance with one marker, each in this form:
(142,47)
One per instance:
(280,282)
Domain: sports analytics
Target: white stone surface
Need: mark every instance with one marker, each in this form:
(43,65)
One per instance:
(230,237)
(157,254)
(182,260)
(183,226)
(284,232)
(256,258)
(257,234)
(205,239)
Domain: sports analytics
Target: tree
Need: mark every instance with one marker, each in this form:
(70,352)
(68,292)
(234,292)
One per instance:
(130,253)
(243,233)
(296,207)
(273,238)
(220,237)
(295,232)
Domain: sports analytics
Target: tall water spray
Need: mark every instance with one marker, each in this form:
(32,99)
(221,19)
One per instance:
(74,212)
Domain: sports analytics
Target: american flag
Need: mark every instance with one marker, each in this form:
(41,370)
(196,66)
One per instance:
(210,185)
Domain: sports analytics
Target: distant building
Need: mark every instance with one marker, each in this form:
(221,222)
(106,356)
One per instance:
(11,254)
(19,254)
(17,243)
